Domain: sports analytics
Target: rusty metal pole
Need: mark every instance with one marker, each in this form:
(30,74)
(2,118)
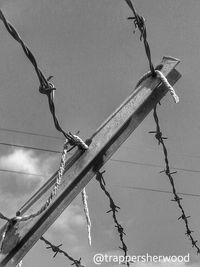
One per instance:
(81,167)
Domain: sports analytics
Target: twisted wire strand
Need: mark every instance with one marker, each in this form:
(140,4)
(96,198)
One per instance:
(167,171)
(45,86)
(114,209)
(56,250)
(53,193)
(54,190)
(87,214)
(139,22)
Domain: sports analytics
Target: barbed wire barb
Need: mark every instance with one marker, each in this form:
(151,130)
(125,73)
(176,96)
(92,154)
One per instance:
(114,209)
(139,22)
(45,87)
(159,136)
(57,249)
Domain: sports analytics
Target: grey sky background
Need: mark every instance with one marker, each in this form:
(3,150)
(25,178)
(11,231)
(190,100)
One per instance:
(89,48)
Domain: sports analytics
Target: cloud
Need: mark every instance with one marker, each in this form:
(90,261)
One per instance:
(33,169)
(70,219)
(71,222)
(20,160)
(70,227)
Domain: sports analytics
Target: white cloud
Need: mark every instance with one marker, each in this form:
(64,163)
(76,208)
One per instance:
(25,161)
(16,188)
(69,227)
(70,218)
(21,160)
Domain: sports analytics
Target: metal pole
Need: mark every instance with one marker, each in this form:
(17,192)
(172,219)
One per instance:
(81,167)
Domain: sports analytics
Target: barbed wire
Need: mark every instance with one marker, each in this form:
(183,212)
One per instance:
(139,22)
(167,171)
(45,87)
(56,250)
(114,209)
(48,89)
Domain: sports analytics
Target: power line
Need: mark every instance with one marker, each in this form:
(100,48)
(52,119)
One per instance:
(173,153)
(154,165)
(128,187)
(31,147)
(30,133)
(114,160)
(62,139)
(156,190)
(20,172)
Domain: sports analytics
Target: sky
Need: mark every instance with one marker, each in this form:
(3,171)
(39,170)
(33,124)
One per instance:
(96,60)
